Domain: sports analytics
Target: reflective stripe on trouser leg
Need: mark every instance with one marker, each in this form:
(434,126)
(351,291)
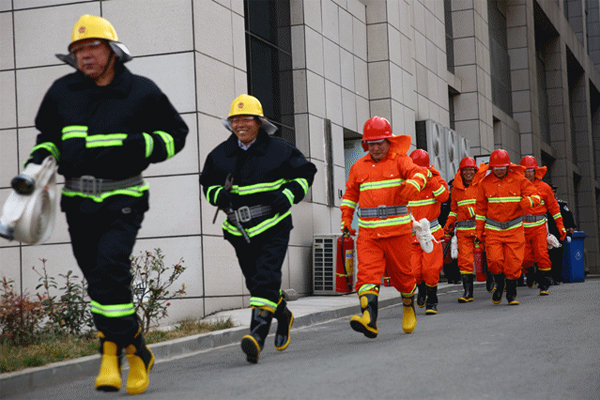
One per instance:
(375,256)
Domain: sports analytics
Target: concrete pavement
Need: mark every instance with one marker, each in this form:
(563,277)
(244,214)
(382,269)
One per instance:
(307,311)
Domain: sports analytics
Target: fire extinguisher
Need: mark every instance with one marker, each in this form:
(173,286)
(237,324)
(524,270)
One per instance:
(478,262)
(344,274)
(446,246)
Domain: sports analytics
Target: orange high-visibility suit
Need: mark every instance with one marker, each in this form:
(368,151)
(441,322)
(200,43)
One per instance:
(498,213)
(461,219)
(536,227)
(427,266)
(381,190)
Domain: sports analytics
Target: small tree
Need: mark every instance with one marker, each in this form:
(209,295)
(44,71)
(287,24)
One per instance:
(20,317)
(151,281)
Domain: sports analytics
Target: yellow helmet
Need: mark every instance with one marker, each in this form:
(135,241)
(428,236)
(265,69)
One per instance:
(93,27)
(246,105)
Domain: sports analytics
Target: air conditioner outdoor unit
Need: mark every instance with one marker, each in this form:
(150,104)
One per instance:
(326,277)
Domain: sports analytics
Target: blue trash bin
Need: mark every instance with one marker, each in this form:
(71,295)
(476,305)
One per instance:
(573,269)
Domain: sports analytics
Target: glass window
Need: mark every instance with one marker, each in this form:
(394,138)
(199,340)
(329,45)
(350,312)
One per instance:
(269,61)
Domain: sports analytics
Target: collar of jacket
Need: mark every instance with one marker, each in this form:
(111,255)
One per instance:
(259,146)
(120,85)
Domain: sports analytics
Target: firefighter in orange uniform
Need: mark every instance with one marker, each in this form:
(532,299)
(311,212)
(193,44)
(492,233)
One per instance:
(383,182)
(502,197)
(427,266)
(536,228)
(461,221)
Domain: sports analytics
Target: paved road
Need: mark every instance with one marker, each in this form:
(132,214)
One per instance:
(546,348)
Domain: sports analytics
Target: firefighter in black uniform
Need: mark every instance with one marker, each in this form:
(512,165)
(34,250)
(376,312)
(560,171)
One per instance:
(104,126)
(256,178)
(556,254)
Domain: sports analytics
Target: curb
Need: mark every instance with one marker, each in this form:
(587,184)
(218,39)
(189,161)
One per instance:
(17,382)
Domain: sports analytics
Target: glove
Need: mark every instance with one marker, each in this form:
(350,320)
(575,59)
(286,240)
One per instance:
(563,235)
(407,193)
(281,203)
(448,229)
(224,199)
(348,227)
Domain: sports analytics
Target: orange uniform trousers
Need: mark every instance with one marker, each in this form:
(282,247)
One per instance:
(465,252)
(536,248)
(376,256)
(505,252)
(427,266)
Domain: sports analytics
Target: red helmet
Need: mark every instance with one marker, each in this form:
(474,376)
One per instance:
(499,158)
(420,157)
(377,128)
(529,162)
(468,162)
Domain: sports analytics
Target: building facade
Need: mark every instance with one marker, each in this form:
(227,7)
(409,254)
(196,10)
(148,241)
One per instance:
(461,77)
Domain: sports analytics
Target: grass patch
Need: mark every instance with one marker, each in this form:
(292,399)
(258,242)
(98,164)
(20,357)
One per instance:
(68,347)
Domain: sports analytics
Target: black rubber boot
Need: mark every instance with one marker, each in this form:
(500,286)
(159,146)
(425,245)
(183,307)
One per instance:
(497,295)
(468,286)
(432,300)
(530,277)
(367,322)
(422,294)
(141,361)
(489,282)
(544,283)
(109,377)
(511,292)
(285,319)
(260,324)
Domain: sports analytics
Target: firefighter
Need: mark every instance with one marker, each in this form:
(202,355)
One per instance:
(536,228)
(556,254)
(427,266)
(461,221)
(382,182)
(502,197)
(256,178)
(104,126)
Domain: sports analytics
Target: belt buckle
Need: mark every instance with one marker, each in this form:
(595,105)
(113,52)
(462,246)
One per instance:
(243,214)
(382,211)
(504,225)
(94,185)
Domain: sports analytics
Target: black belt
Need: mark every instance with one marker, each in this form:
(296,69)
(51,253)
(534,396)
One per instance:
(247,213)
(90,185)
(504,225)
(382,211)
(533,218)
(468,223)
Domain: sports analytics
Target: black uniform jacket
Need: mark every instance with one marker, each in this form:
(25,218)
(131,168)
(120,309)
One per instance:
(111,132)
(270,164)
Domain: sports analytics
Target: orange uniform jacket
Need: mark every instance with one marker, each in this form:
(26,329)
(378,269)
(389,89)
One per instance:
(503,200)
(548,203)
(427,204)
(385,183)
(462,207)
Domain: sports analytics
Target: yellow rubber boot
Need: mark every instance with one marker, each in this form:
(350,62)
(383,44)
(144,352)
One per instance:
(409,318)
(109,377)
(141,361)
(367,322)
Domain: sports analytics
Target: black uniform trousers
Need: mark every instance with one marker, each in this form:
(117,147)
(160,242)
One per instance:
(102,244)
(261,260)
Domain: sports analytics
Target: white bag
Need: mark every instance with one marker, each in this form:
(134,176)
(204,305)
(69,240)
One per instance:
(423,234)
(454,248)
(30,218)
(552,241)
